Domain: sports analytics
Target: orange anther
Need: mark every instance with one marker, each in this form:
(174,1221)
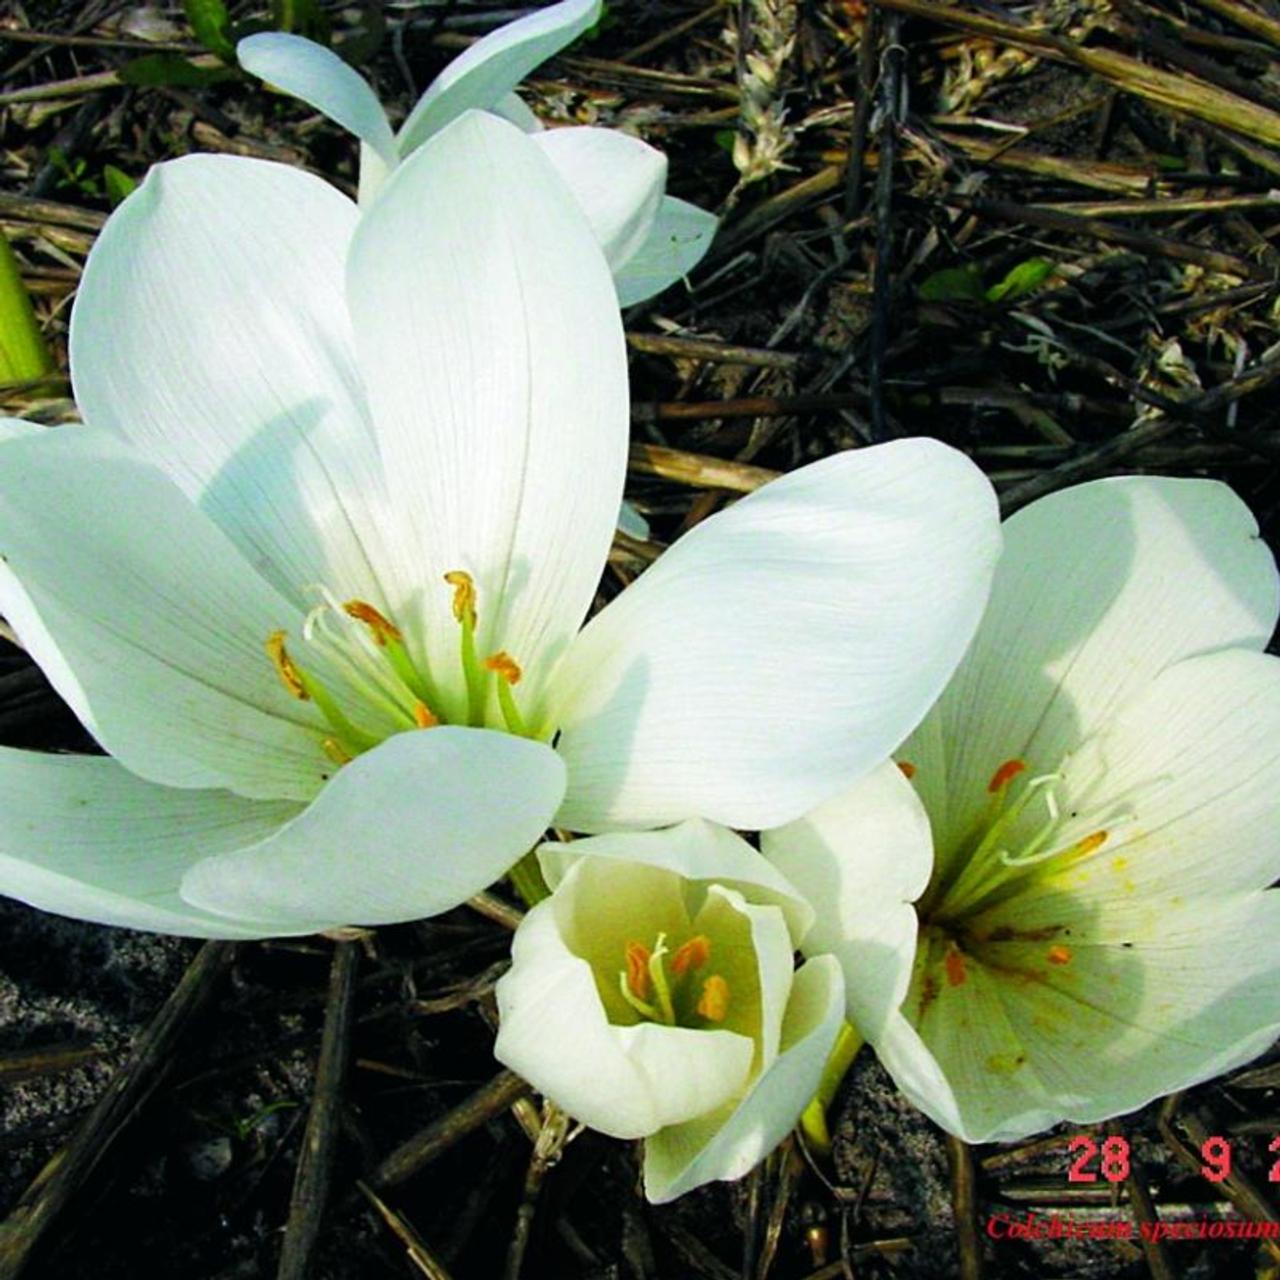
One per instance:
(639,981)
(289,674)
(1005,774)
(336,751)
(954,964)
(1091,842)
(1058,955)
(908,769)
(714,1001)
(380,626)
(505,665)
(693,954)
(464,595)
(423,716)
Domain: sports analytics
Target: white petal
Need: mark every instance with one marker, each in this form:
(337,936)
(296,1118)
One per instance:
(493,66)
(493,350)
(1029,1038)
(624,1081)
(1185,781)
(1120,1025)
(917,1074)
(513,109)
(695,850)
(147,621)
(618,180)
(210,331)
(602,905)
(690,1072)
(780,649)
(374,172)
(861,860)
(1100,587)
(412,828)
(81,836)
(979,1080)
(321,79)
(729,1144)
(13,428)
(679,236)
(751,950)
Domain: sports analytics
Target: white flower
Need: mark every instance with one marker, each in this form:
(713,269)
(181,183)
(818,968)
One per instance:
(375,460)
(1102,777)
(650,239)
(653,995)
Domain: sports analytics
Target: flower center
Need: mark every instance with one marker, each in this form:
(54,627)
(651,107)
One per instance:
(1007,846)
(675,994)
(373,687)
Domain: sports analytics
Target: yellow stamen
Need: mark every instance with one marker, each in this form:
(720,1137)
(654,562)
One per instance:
(638,980)
(661,987)
(380,626)
(1060,857)
(336,751)
(306,688)
(986,867)
(693,954)
(285,666)
(1091,842)
(507,669)
(475,675)
(464,595)
(423,716)
(713,1004)
(510,712)
(1072,854)
(504,665)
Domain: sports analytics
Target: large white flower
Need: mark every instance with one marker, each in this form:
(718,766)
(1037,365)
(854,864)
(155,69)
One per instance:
(1102,777)
(650,239)
(654,995)
(350,476)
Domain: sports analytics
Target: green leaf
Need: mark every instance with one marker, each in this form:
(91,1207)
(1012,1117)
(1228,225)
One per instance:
(73,171)
(953,284)
(170,71)
(210,22)
(245,1126)
(118,183)
(23,354)
(1025,278)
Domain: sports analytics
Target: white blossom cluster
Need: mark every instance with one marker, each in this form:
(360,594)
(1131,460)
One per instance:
(316,570)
